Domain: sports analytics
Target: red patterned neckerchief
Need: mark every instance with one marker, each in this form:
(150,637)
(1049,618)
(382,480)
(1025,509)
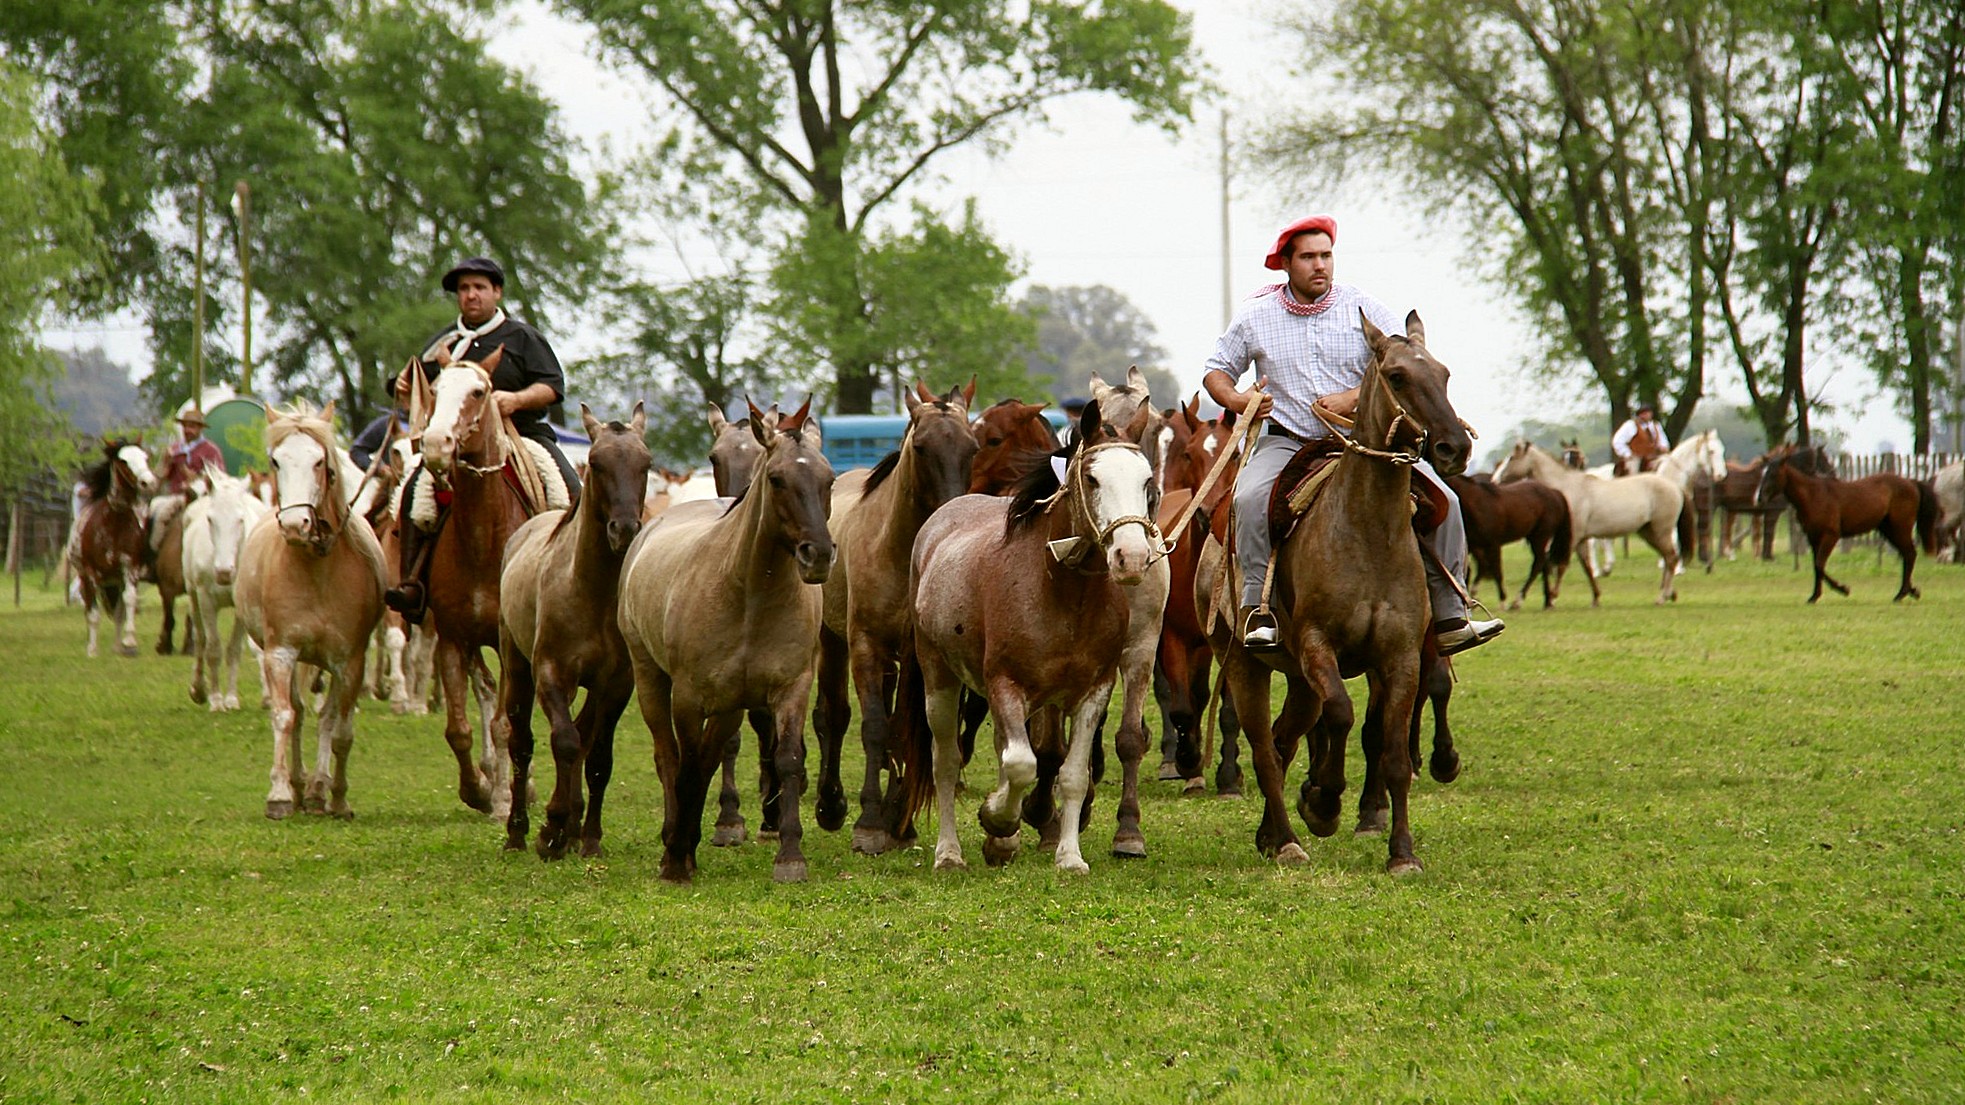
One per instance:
(1304,310)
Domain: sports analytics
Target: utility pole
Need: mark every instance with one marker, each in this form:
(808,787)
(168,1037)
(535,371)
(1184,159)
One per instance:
(1227,290)
(198,330)
(242,207)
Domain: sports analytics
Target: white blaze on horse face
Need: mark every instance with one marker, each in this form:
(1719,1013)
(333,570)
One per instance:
(139,465)
(298,467)
(455,386)
(1122,482)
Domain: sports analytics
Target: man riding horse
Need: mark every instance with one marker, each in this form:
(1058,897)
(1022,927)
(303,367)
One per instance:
(1308,331)
(188,458)
(526,381)
(1640,443)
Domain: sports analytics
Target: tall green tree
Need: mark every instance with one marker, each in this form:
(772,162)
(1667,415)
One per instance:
(1096,330)
(817,114)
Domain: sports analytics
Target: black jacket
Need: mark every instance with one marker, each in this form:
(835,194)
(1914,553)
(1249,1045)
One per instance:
(527,360)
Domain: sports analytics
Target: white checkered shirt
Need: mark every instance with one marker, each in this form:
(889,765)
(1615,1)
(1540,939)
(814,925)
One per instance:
(1309,355)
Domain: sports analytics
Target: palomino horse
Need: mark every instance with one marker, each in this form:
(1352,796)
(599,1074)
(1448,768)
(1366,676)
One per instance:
(1013,438)
(1646,504)
(1697,465)
(310,592)
(558,633)
(464,448)
(1351,598)
(720,608)
(109,548)
(1022,600)
(875,515)
(215,528)
(1497,514)
(1830,509)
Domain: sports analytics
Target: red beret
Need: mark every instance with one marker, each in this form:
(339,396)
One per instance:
(1324,223)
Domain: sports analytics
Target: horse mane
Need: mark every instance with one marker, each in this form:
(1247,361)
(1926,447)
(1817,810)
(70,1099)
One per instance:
(881,471)
(101,475)
(1033,493)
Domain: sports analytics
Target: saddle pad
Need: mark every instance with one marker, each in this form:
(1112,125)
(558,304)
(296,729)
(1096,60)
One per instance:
(423,507)
(550,479)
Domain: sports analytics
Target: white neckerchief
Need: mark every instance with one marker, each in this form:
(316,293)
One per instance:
(461,337)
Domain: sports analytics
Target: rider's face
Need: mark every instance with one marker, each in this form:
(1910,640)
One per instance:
(1310,265)
(477,298)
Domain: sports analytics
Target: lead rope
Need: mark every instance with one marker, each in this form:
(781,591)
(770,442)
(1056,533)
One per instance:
(1244,434)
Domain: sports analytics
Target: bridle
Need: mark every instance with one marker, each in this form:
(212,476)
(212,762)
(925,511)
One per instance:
(321,533)
(1400,417)
(1080,496)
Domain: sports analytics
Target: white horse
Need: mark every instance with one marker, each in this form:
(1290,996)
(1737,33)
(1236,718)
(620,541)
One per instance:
(1949,483)
(215,528)
(1646,504)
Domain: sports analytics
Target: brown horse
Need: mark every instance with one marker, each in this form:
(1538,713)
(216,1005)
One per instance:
(1023,600)
(1744,491)
(875,515)
(720,608)
(309,589)
(1525,510)
(109,547)
(167,571)
(465,452)
(1351,599)
(1013,438)
(558,633)
(1830,509)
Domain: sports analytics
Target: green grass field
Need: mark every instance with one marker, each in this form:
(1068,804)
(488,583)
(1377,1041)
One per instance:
(1709,852)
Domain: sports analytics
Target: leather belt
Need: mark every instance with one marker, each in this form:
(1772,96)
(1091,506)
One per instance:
(1283,431)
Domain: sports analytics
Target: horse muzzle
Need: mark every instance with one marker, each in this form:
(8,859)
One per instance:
(622,534)
(814,560)
(222,576)
(439,451)
(1450,453)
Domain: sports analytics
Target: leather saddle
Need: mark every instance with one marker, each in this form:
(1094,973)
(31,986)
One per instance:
(1304,477)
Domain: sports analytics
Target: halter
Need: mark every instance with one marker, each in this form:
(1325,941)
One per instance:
(1072,551)
(474,427)
(321,533)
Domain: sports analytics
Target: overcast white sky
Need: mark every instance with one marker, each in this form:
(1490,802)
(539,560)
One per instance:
(1097,199)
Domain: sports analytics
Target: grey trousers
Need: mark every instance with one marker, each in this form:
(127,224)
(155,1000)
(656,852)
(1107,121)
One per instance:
(1258,478)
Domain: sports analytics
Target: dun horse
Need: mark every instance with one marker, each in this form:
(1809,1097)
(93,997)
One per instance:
(215,528)
(720,608)
(558,633)
(875,515)
(1351,599)
(1023,600)
(109,548)
(310,592)
(1830,509)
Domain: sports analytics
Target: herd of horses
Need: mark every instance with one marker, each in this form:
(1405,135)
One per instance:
(980,570)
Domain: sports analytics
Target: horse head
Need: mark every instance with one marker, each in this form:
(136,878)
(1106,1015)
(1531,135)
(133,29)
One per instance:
(796,482)
(1013,437)
(941,445)
(734,451)
(229,511)
(1121,402)
(1194,447)
(1114,493)
(1573,455)
(1525,460)
(617,473)
(458,426)
(129,466)
(1402,402)
(307,476)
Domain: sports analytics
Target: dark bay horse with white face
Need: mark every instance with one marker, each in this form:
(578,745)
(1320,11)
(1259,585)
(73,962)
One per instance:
(110,546)
(1023,600)
(558,633)
(309,589)
(1351,599)
(720,608)
(1830,509)
(875,515)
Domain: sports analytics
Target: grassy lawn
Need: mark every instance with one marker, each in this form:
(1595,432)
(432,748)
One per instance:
(1709,852)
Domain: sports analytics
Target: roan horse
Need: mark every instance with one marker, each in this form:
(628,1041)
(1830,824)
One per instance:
(109,548)
(558,633)
(1646,504)
(310,592)
(720,608)
(1023,601)
(875,515)
(1830,509)
(1351,598)
(215,528)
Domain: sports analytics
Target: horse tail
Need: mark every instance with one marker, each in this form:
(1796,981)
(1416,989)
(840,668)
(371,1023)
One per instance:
(1927,517)
(1563,544)
(910,739)
(1688,530)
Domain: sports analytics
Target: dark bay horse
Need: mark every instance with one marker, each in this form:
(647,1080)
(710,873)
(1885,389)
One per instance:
(1351,599)
(1525,510)
(558,633)
(110,548)
(1830,509)
(720,608)
(875,515)
(1023,600)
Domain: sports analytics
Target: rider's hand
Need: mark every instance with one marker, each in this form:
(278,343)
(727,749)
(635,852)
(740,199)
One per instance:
(1268,403)
(506,402)
(1343,403)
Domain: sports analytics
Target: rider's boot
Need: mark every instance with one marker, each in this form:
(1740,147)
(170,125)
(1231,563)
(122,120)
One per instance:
(410,596)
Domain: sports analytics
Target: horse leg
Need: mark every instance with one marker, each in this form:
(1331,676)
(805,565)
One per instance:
(232,646)
(1171,730)
(1228,771)
(1016,772)
(1319,705)
(730,830)
(1200,671)
(1666,545)
(1582,553)
(788,757)
(276,667)
(200,689)
(1173,686)
(1824,544)
(126,640)
(1902,538)
(1248,684)
(831,714)
(168,600)
(1128,841)
(92,603)
(943,694)
(338,736)
(654,691)
(472,786)
(700,739)
(1045,729)
(1372,736)
(1436,683)
(1075,779)
(1398,685)
(518,688)
(872,833)
(600,715)
(495,754)
(770,799)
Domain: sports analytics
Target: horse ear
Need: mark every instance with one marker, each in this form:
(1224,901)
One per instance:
(913,399)
(759,428)
(1190,414)
(1090,429)
(792,423)
(638,421)
(589,423)
(717,420)
(921,391)
(491,359)
(1374,337)
(327,413)
(1136,380)
(1415,329)
(1135,430)
(969,394)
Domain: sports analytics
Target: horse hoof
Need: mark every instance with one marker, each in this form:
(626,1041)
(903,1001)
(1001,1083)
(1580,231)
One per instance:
(1193,786)
(1232,793)
(199,697)
(872,842)
(1319,825)
(788,870)
(126,650)
(999,850)
(1292,855)
(767,836)
(514,842)
(1169,772)
(1074,865)
(1445,769)
(831,813)
(163,648)
(341,813)
(1130,846)
(1403,865)
(1370,824)
(728,836)
(591,849)
(475,797)
(952,862)
(279,811)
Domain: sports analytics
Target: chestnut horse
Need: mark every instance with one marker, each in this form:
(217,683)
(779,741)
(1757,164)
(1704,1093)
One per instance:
(1185,660)
(1012,438)
(310,592)
(1023,600)
(109,548)
(1497,514)
(720,608)
(875,515)
(1350,599)
(557,633)
(1830,509)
